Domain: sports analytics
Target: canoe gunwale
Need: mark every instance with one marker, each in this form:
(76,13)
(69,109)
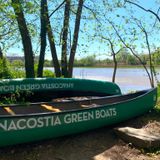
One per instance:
(142,94)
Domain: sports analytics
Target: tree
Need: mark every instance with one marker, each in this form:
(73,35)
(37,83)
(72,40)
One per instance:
(75,38)
(42,37)
(132,51)
(26,40)
(65,38)
(52,46)
(140,25)
(1,53)
(66,67)
(9,34)
(113,54)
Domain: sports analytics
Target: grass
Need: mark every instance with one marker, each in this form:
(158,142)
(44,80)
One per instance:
(158,99)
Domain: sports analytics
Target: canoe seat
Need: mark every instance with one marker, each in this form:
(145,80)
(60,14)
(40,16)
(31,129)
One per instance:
(51,108)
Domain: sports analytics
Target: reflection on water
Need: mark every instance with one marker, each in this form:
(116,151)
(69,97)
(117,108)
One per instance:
(129,79)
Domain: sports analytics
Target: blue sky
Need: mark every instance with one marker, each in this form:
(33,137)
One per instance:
(92,45)
(101,47)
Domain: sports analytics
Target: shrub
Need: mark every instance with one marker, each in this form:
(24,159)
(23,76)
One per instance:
(5,72)
(20,97)
(17,73)
(48,73)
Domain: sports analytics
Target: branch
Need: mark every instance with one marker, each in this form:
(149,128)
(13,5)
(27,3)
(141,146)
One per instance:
(94,14)
(147,10)
(139,24)
(112,46)
(132,51)
(57,8)
(156,18)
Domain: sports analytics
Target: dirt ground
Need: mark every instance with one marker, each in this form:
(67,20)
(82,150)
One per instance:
(100,144)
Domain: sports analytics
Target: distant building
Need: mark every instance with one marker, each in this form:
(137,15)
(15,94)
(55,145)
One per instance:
(13,58)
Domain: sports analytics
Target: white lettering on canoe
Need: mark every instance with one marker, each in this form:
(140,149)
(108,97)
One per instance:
(7,88)
(78,117)
(49,121)
(30,87)
(12,126)
(3,125)
(21,124)
(106,113)
(30,123)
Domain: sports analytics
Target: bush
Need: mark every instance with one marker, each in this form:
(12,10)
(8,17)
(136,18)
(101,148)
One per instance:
(48,73)
(20,97)
(17,73)
(5,72)
(16,70)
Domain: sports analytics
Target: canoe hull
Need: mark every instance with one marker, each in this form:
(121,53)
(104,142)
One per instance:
(46,89)
(58,84)
(22,129)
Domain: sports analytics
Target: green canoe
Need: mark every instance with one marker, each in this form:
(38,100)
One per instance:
(39,121)
(57,87)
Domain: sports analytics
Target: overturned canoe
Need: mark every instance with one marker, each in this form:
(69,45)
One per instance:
(58,87)
(39,121)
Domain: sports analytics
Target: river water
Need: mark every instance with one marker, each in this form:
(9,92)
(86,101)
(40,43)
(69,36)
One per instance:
(129,79)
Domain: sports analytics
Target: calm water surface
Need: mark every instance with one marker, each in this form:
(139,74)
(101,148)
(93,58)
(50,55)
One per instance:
(129,79)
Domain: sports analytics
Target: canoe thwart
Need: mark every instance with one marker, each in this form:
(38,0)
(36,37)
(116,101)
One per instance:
(90,105)
(51,108)
(9,110)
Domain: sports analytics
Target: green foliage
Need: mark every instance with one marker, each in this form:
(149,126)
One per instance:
(156,57)
(16,69)
(158,90)
(16,97)
(88,61)
(11,70)
(158,101)
(48,73)
(122,56)
(18,63)
(4,69)
(17,73)
(131,60)
(47,63)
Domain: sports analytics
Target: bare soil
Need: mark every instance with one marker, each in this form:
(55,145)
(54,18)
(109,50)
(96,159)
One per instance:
(100,144)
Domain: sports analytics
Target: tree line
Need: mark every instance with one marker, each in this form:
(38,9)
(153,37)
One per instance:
(124,58)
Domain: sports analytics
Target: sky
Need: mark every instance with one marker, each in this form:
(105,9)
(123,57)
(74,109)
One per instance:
(89,44)
(102,48)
